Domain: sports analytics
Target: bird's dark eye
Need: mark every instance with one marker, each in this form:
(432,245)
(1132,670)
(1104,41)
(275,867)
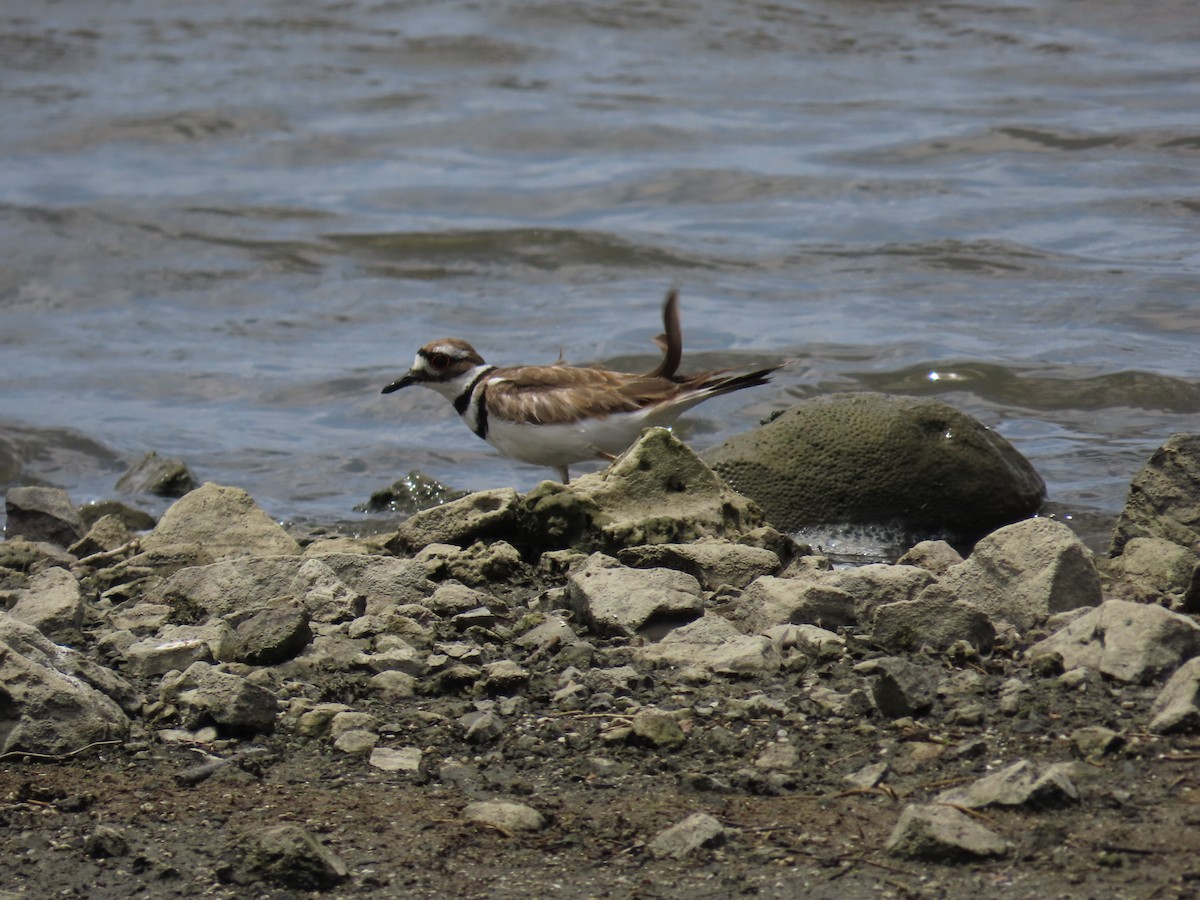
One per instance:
(439,360)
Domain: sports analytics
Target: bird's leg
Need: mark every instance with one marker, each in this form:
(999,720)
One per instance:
(564,474)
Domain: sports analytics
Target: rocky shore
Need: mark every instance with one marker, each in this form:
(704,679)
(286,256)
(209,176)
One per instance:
(630,686)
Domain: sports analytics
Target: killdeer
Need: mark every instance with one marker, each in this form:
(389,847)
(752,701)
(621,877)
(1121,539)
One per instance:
(558,414)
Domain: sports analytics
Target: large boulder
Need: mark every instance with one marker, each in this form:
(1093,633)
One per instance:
(876,459)
(226,521)
(657,492)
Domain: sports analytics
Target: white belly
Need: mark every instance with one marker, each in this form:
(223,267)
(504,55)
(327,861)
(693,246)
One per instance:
(562,445)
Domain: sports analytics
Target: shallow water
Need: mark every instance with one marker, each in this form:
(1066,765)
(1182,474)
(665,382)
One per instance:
(226,226)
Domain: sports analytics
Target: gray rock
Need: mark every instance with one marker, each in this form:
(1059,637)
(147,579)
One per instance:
(503,676)
(481,727)
(482,564)
(658,729)
(1025,573)
(504,815)
(158,475)
(324,596)
(203,695)
(875,459)
(385,581)
(657,492)
(716,644)
(714,563)
(398,759)
(178,646)
(696,832)
(1126,641)
(769,601)
(1155,570)
(1177,707)
(901,688)
(227,587)
(1163,501)
(452,598)
(935,619)
(106,842)
(356,742)
(225,521)
(933,556)
(1021,784)
(475,517)
(1096,741)
(874,585)
(42,514)
(51,602)
(276,633)
(55,700)
(288,856)
(106,534)
(611,599)
(942,834)
(394,685)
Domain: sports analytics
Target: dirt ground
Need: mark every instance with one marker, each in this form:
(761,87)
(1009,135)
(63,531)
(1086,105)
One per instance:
(115,820)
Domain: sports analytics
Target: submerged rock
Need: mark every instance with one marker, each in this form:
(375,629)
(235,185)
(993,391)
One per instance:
(877,459)
(158,475)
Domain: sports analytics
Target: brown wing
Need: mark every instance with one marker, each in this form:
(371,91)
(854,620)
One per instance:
(559,394)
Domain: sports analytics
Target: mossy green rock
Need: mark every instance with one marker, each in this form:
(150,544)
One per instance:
(869,459)
(657,492)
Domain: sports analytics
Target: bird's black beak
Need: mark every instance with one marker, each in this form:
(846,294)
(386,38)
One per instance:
(402,383)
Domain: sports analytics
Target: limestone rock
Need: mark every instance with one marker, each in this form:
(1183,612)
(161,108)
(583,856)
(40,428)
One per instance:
(658,729)
(106,534)
(876,584)
(42,514)
(204,694)
(288,856)
(934,619)
(933,556)
(714,563)
(696,832)
(178,646)
(274,634)
(612,599)
(656,492)
(942,834)
(226,521)
(475,517)
(1021,784)
(714,643)
(161,476)
(53,603)
(1155,570)
(1025,573)
(227,587)
(768,601)
(876,459)
(901,688)
(480,563)
(1163,501)
(1177,707)
(1126,641)
(398,759)
(324,596)
(504,815)
(55,700)
(385,581)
